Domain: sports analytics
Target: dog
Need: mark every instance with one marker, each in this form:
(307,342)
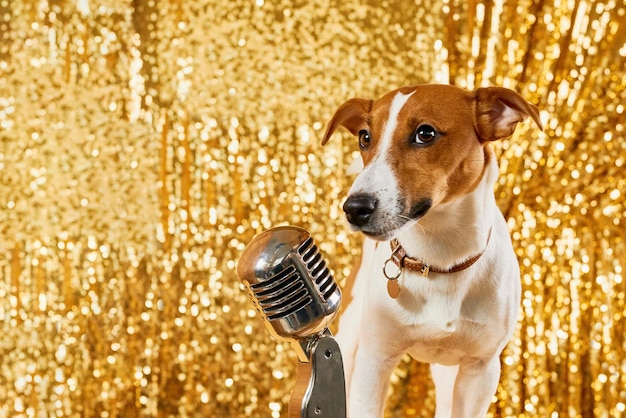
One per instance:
(438,276)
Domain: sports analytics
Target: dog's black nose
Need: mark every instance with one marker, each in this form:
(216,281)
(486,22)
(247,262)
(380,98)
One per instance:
(359,208)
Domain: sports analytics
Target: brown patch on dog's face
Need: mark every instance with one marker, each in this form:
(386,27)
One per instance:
(434,151)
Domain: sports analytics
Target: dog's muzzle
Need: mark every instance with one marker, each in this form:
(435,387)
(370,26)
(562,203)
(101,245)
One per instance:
(366,213)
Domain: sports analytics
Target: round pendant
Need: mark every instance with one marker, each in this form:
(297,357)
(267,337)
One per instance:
(393,288)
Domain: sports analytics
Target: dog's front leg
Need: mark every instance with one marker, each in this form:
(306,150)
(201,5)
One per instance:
(475,385)
(444,378)
(370,380)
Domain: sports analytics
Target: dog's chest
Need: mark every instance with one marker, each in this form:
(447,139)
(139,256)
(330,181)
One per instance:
(442,319)
(433,306)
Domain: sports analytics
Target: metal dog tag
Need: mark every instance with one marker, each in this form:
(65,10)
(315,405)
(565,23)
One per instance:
(393,288)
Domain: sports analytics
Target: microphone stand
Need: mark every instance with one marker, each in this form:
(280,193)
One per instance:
(284,274)
(320,390)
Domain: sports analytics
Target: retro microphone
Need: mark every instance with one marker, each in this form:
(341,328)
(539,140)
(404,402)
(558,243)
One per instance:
(293,290)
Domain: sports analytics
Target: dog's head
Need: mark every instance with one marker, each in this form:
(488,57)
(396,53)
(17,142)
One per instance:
(422,146)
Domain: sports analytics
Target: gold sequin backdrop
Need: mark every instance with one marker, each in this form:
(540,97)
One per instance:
(143,143)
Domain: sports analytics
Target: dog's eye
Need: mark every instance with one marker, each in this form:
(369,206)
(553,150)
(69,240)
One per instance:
(364,139)
(424,134)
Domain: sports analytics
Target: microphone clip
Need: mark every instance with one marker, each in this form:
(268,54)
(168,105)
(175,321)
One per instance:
(320,390)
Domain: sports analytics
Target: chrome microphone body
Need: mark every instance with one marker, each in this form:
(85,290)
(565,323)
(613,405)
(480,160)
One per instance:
(293,290)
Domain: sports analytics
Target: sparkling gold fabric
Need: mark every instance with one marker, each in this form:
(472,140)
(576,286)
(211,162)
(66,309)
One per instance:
(143,143)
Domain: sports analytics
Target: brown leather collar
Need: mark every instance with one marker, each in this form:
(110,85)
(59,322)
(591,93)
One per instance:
(403,261)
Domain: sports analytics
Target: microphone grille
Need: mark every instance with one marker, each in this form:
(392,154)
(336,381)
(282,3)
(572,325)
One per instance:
(282,294)
(317,267)
(289,282)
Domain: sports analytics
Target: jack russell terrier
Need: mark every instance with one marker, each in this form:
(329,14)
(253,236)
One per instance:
(440,279)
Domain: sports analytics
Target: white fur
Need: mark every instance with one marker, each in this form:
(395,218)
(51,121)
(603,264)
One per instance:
(389,129)
(377,176)
(458,322)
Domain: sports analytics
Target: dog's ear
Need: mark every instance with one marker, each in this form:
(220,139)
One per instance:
(498,110)
(350,115)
